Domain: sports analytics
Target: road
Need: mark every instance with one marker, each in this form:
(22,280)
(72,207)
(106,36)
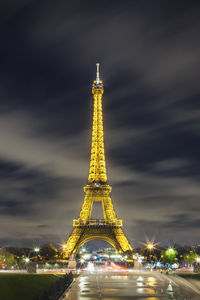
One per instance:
(141,286)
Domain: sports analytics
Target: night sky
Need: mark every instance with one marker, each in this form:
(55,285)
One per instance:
(150,64)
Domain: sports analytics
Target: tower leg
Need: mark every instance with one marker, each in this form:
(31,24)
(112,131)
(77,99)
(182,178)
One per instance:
(108,209)
(72,242)
(86,210)
(122,240)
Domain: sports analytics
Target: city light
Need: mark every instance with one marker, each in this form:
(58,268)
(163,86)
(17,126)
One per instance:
(115,256)
(140,259)
(37,249)
(86,256)
(198,259)
(150,246)
(27,259)
(171,250)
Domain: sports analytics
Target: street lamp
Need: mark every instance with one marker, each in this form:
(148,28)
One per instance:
(170,250)
(198,259)
(37,250)
(150,246)
(27,259)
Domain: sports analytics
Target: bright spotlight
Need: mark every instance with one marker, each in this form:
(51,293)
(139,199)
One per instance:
(150,246)
(198,259)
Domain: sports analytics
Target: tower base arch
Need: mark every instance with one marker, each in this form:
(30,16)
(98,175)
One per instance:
(83,234)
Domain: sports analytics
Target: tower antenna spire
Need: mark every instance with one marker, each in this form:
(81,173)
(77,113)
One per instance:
(97,76)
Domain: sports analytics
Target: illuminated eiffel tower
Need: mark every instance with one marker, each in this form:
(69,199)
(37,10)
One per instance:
(86,229)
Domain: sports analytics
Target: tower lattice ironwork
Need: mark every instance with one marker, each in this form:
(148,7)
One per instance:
(97,190)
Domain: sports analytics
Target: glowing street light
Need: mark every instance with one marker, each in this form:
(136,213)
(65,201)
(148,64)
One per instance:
(37,250)
(27,259)
(170,250)
(150,246)
(198,259)
(86,256)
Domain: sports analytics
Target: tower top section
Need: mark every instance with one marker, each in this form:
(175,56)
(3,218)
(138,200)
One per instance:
(97,171)
(97,76)
(97,87)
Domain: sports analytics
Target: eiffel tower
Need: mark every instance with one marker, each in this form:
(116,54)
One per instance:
(86,229)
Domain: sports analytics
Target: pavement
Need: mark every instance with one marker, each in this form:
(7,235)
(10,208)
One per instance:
(126,286)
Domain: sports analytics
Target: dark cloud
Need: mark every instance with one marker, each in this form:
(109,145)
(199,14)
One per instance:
(149,54)
(185,225)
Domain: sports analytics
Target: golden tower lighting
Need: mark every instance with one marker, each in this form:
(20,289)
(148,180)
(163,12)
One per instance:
(97,190)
